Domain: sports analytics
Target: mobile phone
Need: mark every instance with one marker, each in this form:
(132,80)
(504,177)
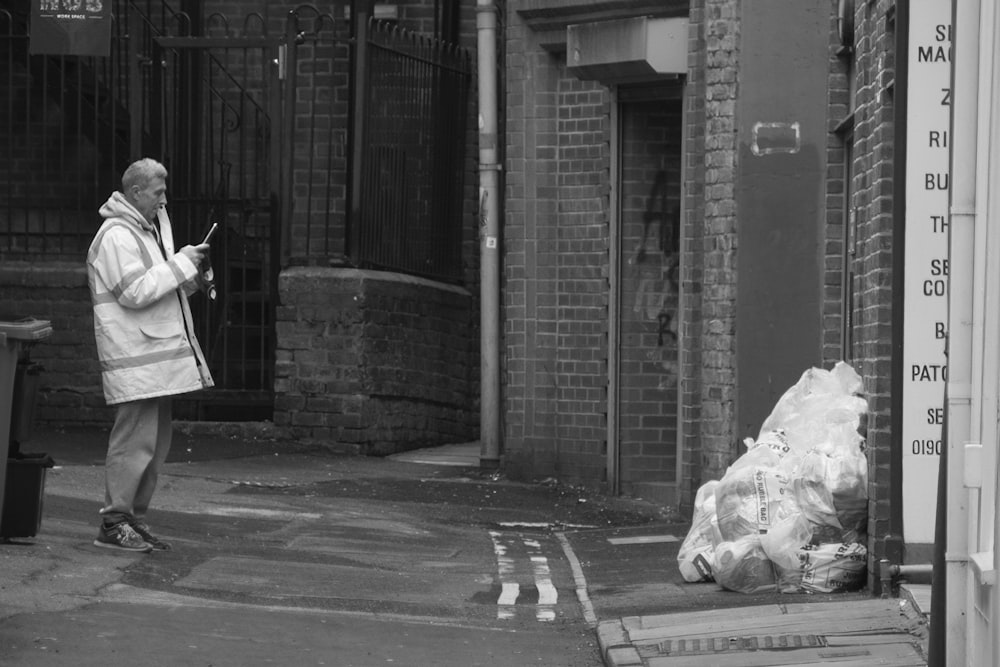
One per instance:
(210,232)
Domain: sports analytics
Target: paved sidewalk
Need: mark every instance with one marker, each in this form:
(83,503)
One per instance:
(850,633)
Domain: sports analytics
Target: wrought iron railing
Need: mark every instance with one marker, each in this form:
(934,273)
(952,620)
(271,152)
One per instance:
(413,160)
(69,126)
(390,196)
(378,155)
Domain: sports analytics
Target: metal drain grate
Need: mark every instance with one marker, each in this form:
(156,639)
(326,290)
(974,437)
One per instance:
(679,647)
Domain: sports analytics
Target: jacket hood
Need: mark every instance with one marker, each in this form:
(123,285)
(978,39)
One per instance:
(118,207)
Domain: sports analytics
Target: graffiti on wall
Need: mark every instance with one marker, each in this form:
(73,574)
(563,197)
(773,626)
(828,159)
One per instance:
(655,265)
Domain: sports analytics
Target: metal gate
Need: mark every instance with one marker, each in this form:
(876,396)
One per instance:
(211,119)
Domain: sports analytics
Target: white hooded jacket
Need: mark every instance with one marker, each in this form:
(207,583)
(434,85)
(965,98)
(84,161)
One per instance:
(142,322)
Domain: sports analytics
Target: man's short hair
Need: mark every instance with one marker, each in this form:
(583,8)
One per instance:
(141,172)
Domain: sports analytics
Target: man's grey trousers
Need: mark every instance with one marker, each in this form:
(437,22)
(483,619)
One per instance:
(138,446)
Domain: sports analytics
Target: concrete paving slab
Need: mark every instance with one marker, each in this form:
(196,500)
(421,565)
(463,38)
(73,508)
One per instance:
(866,632)
(465,454)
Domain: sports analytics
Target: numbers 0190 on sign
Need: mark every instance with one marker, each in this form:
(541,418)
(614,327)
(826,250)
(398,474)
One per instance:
(927,447)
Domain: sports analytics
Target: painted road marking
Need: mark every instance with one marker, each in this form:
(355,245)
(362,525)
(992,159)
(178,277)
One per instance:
(548,596)
(581,582)
(644,539)
(509,593)
(509,589)
(508,598)
(511,568)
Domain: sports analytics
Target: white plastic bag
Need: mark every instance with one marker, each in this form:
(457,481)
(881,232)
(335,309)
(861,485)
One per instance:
(821,401)
(781,545)
(742,566)
(829,568)
(803,482)
(750,498)
(697,552)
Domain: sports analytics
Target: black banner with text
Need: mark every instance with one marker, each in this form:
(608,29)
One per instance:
(71,27)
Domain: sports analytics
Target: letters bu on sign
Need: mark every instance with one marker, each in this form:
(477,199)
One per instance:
(70,27)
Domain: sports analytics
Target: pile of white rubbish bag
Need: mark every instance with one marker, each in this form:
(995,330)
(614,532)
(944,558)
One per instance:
(790,514)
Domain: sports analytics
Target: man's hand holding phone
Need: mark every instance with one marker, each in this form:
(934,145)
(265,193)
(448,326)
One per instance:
(198,254)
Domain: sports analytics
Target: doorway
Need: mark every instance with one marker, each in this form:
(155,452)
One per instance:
(648,185)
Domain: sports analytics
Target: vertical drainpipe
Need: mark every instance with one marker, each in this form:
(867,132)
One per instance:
(894,541)
(612,460)
(489,237)
(949,594)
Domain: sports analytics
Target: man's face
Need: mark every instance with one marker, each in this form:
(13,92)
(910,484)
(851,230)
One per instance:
(149,199)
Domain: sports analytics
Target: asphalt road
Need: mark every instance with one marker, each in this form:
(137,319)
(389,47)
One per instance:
(291,556)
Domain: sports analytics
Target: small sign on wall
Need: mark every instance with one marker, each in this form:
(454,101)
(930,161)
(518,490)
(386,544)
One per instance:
(70,27)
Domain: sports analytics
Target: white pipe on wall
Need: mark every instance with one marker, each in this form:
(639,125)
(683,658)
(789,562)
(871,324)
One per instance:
(982,640)
(962,237)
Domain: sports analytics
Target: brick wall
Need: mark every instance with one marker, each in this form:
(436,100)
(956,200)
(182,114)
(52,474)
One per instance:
(539,215)
(717,253)
(874,59)
(555,265)
(708,276)
(834,279)
(691,270)
(373,361)
(580,289)
(70,385)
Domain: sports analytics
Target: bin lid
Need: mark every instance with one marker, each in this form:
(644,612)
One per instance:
(27,328)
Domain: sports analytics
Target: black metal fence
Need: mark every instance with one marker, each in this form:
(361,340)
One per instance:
(71,124)
(65,132)
(378,157)
(325,142)
(372,139)
(411,197)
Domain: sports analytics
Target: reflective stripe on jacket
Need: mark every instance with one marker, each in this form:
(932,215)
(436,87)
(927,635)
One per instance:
(142,321)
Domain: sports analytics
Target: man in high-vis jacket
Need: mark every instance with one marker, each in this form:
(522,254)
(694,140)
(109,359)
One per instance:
(146,345)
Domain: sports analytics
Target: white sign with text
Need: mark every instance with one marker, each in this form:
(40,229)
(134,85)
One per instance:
(925,298)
